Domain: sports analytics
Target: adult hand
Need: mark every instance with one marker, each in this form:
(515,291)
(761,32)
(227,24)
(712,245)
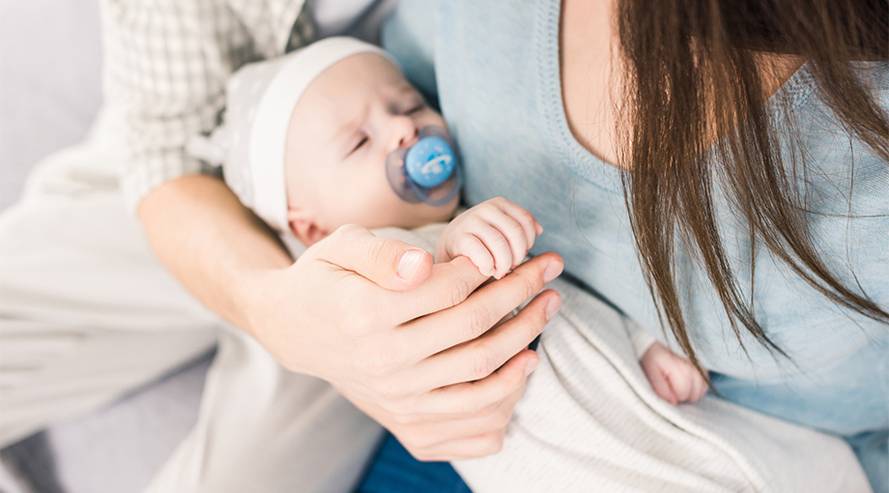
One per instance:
(407,341)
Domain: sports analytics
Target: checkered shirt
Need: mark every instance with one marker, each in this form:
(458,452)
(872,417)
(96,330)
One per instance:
(167,63)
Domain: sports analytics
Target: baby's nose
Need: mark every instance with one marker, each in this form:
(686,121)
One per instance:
(405,132)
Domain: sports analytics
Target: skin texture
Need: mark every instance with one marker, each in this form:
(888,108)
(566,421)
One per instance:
(409,322)
(593,75)
(673,378)
(349,119)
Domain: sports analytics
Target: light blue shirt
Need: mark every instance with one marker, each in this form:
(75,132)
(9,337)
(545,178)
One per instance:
(496,77)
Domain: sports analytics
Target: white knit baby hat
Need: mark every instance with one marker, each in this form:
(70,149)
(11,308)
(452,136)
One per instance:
(260,98)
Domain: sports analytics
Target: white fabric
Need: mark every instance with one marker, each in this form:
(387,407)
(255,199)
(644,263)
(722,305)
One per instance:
(87,314)
(589,421)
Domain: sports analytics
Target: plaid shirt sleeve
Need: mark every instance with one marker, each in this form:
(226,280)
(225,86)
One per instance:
(167,63)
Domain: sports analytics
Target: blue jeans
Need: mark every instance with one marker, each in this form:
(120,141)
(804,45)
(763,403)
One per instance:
(394,470)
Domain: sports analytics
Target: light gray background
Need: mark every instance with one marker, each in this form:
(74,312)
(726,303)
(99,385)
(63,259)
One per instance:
(50,90)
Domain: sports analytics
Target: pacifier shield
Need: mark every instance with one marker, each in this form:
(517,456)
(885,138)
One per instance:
(428,171)
(430,162)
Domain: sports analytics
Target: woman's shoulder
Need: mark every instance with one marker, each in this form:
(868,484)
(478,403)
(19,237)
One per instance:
(841,170)
(845,187)
(812,110)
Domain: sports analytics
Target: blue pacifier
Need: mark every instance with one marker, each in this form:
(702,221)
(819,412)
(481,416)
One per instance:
(427,171)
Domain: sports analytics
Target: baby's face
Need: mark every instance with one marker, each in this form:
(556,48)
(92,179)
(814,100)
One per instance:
(345,125)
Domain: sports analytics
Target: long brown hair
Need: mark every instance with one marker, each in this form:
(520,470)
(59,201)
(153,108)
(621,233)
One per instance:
(676,53)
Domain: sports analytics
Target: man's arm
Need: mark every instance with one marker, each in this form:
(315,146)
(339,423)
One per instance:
(167,65)
(210,242)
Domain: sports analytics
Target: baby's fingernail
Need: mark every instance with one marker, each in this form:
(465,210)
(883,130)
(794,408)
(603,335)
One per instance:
(538,228)
(530,367)
(552,306)
(410,261)
(552,271)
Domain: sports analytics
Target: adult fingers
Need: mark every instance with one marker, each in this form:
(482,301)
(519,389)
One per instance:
(476,359)
(390,264)
(450,284)
(428,434)
(467,448)
(478,313)
(473,397)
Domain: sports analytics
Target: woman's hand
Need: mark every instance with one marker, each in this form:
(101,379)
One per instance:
(407,341)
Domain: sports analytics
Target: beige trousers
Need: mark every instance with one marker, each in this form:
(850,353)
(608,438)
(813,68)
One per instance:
(87,313)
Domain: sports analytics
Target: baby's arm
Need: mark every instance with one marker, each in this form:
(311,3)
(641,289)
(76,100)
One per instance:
(496,235)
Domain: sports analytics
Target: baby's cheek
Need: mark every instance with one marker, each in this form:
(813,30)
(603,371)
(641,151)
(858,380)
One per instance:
(432,118)
(379,207)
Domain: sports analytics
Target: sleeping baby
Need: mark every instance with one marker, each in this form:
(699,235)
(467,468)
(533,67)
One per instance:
(333,134)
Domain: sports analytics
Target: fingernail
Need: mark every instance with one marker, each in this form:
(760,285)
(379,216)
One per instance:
(552,306)
(552,271)
(409,263)
(538,228)
(530,367)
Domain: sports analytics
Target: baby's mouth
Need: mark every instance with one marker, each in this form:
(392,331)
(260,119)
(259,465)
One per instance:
(428,171)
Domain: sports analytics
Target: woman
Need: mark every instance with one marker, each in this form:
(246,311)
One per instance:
(720,169)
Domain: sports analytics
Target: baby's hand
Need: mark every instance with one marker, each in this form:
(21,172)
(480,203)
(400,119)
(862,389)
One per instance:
(496,235)
(671,376)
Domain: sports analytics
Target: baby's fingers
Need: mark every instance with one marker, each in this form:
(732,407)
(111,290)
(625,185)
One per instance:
(523,217)
(682,382)
(661,386)
(512,231)
(471,246)
(499,246)
(700,387)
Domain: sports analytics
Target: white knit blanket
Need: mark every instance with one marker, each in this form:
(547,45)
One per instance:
(589,421)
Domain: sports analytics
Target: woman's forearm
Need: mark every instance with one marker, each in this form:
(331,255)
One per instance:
(210,242)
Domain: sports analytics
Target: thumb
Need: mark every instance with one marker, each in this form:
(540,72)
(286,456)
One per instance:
(390,264)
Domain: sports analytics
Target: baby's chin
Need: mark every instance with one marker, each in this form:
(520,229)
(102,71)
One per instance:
(438,214)
(417,215)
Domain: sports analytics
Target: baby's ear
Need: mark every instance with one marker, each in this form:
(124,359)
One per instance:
(304,228)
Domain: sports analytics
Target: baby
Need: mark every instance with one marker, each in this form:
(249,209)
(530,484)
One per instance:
(323,137)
